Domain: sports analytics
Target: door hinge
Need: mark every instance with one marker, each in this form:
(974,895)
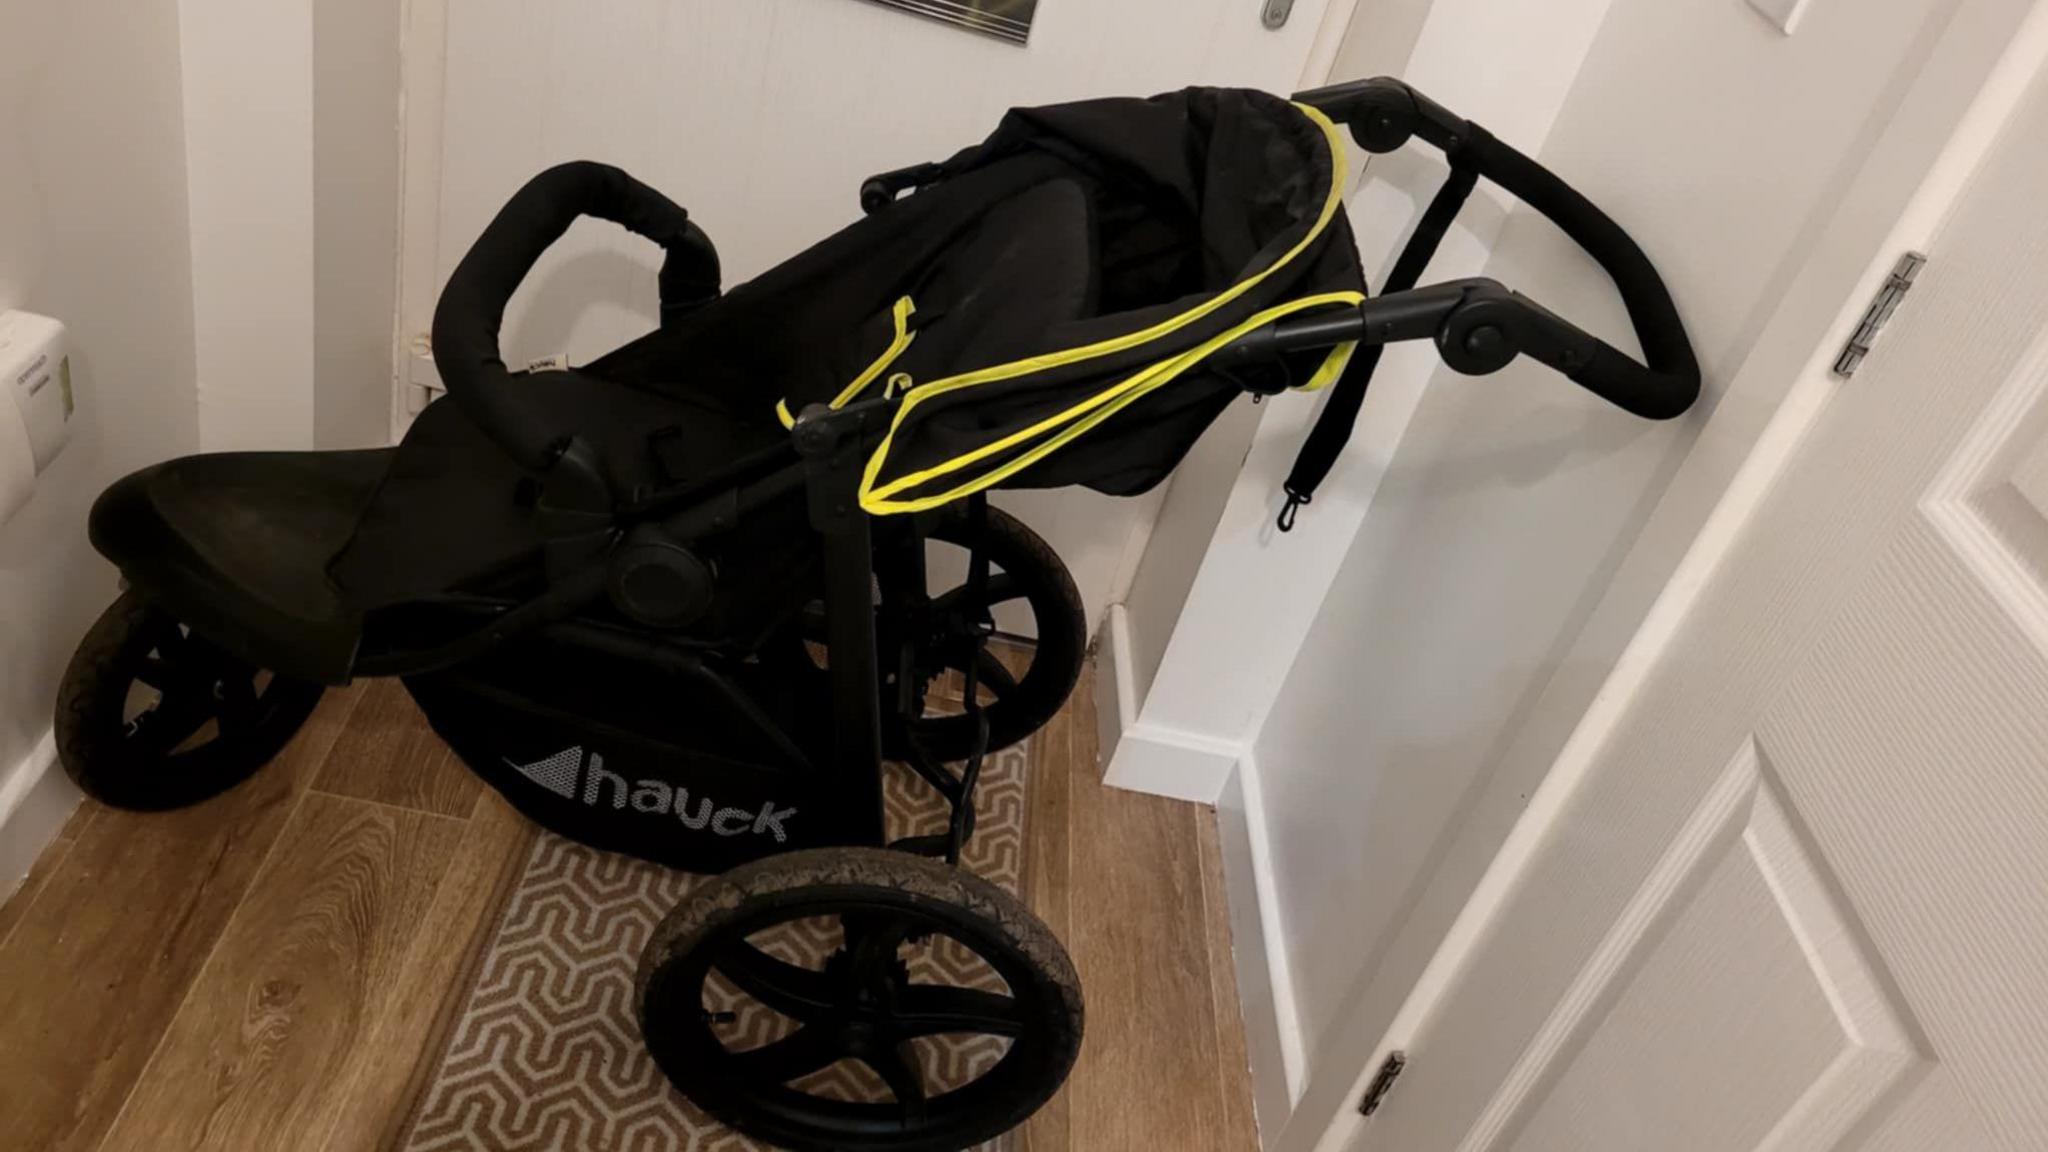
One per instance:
(1383,1083)
(1879,313)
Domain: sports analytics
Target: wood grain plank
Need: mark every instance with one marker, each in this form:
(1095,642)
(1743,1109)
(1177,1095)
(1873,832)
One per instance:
(388,754)
(46,865)
(1233,1060)
(303,976)
(97,968)
(1048,881)
(1147,1077)
(322,1006)
(385,1075)
(1048,863)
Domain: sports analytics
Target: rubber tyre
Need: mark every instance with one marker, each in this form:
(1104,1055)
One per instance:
(1056,659)
(799,878)
(91,732)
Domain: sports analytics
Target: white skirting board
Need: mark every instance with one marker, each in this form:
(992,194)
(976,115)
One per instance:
(1265,986)
(1148,757)
(35,801)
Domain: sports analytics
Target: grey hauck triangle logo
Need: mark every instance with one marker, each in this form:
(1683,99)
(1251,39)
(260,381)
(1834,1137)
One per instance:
(562,772)
(557,773)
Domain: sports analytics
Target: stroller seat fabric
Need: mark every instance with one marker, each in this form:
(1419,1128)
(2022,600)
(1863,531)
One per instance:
(1030,303)
(238,543)
(1039,293)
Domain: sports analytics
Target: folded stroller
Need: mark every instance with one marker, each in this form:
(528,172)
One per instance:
(677,602)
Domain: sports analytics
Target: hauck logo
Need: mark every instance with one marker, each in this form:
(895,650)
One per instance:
(565,770)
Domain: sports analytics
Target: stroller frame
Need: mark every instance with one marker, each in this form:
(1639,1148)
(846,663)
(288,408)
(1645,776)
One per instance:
(824,458)
(634,554)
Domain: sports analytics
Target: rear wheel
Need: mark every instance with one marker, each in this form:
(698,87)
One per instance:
(152,716)
(1021,689)
(859,998)
(1029,587)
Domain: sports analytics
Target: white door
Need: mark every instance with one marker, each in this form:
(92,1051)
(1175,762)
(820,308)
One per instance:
(1789,890)
(762,117)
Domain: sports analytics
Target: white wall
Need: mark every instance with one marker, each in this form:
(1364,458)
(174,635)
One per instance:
(248,99)
(292,123)
(1180,539)
(761,118)
(1224,665)
(93,231)
(355,218)
(1501,518)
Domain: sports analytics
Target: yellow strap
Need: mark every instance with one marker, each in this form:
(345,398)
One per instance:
(1333,367)
(877,502)
(1085,416)
(904,310)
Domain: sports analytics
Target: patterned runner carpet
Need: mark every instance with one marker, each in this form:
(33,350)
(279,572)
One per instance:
(544,1054)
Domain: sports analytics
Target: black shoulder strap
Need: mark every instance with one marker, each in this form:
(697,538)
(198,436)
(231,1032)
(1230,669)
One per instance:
(1333,427)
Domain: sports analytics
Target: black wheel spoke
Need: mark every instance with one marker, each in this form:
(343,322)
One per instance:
(240,710)
(152,670)
(930,1010)
(168,638)
(898,1068)
(874,945)
(172,722)
(797,1055)
(989,671)
(992,673)
(173,675)
(1003,587)
(799,993)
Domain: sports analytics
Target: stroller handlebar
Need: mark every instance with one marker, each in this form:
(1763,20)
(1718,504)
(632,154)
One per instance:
(1482,326)
(472,306)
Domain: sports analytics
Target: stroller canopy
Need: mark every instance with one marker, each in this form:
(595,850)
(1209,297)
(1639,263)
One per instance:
(1046,301)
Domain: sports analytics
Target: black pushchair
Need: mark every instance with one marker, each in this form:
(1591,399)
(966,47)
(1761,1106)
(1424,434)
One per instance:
(677,603)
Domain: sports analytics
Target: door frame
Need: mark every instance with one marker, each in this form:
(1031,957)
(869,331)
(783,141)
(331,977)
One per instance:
(1898,204)
(423,55)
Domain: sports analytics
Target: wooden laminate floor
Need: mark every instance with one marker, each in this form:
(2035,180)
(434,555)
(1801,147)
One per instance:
(268,970)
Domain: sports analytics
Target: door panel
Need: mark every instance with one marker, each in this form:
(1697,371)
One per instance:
(1992,501)
(1738,912)
(1839,938)
(1487,595)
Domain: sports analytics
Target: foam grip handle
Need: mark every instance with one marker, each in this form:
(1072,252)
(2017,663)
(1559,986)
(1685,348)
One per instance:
(472,306)
(1670,382)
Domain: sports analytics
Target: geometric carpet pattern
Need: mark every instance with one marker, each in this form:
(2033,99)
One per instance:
(545,1054)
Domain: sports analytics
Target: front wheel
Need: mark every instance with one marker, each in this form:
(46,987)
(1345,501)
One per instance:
(860,998)
(151,716)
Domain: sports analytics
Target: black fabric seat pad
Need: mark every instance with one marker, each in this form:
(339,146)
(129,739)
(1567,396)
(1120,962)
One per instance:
(236,545)
(455,510)
(1240,191)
